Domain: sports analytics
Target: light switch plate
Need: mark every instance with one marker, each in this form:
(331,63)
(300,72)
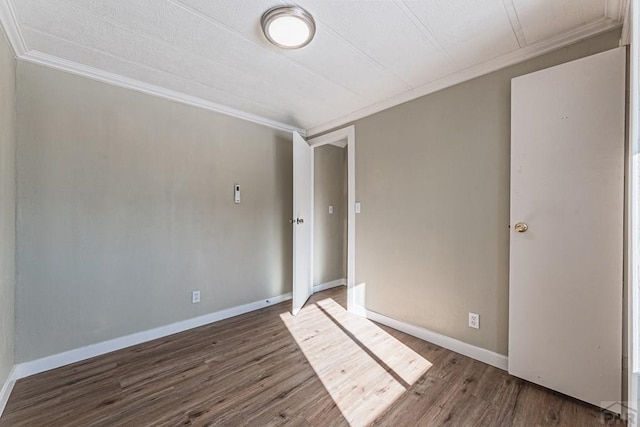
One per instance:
(330,209)
(357,207)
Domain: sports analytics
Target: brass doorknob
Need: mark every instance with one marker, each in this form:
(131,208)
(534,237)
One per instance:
(521,227)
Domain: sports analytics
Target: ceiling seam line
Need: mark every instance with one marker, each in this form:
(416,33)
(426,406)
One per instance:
(427,32)
(218,24)
(514,21)
(368,58)
(591,29)
(191,53)
(360,52)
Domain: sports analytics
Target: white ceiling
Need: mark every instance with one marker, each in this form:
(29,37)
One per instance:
(366,55)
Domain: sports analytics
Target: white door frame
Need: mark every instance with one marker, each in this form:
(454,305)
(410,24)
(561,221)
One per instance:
(341,138)
(633,221)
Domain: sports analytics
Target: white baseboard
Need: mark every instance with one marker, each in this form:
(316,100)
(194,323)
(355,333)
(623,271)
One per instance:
(483,355)
(5,392)
(37,366)
(328,285)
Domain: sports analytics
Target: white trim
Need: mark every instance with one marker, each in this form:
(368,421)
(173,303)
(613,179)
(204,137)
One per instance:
(483,355)
(359,310)
(5,392)
(337,137)
(351,221)
(633,194)
(613,9)
(8,19)
(33,367)
(9,23)
(330,139)
(625,18)
(328,285)
(311,218)
(517,56)
(51,61)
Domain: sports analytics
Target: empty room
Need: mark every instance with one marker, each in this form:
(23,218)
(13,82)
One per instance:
(319,212)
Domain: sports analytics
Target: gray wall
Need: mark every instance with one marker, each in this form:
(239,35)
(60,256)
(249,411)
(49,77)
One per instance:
(329,251)
(433,178)
(125,205)
(7,206)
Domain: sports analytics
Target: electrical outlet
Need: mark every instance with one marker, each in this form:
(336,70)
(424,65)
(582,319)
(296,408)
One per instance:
(474,320)
(195,297)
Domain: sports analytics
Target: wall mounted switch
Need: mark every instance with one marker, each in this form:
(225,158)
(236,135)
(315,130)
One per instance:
(236,194)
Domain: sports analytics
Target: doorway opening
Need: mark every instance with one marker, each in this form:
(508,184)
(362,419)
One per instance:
(329,216)
(324,265)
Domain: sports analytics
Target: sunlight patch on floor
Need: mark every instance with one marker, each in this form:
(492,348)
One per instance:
(363,368)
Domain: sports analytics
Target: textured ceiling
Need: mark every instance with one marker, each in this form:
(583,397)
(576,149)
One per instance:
(365,52)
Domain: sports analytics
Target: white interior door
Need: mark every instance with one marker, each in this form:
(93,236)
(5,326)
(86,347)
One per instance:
(302,178)
(567,183)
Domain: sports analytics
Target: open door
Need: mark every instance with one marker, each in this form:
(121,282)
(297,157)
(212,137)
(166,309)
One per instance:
(302,178)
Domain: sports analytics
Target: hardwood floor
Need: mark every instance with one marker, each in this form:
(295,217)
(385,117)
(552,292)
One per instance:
(324,367)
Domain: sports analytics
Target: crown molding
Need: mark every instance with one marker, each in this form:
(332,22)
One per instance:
(531,51)
(40,58)
(9,23)
(10,27)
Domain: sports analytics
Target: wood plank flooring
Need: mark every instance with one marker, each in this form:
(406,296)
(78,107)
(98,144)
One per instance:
(324,367)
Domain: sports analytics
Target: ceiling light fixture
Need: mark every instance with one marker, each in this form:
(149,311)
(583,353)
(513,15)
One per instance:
(288,27)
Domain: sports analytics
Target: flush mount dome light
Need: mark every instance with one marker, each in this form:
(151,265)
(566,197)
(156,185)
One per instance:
(288,27)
